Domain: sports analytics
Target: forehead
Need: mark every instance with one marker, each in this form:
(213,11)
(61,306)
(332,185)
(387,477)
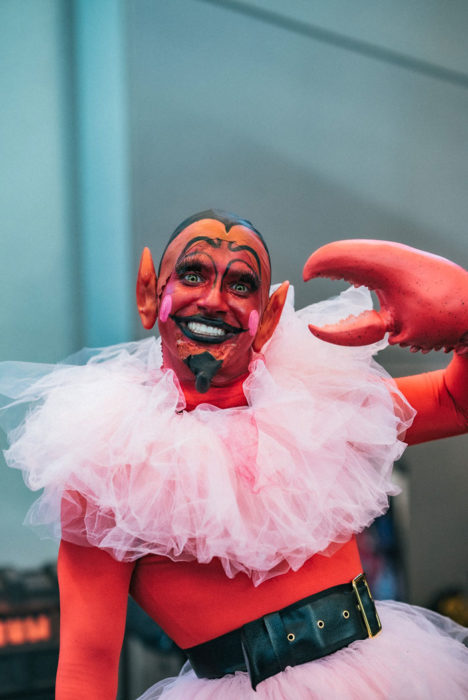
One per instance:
(221,252)
(210,235)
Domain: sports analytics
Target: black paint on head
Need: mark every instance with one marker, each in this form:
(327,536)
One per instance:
(204,366)
(216,243)
(228,219)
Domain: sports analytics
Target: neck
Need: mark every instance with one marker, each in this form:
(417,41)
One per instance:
(227,396)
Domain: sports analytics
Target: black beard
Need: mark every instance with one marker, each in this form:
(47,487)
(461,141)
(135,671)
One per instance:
(204,366)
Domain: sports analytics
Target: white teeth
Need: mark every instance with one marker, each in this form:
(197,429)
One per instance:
(203,329)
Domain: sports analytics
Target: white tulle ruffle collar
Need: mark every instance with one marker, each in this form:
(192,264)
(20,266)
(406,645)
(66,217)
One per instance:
(263,487)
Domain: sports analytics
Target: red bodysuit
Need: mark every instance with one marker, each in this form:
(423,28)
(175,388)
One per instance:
(195,602)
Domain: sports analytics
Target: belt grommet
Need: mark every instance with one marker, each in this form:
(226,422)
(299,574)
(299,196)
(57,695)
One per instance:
(291,637)
(320,624)
(345,614)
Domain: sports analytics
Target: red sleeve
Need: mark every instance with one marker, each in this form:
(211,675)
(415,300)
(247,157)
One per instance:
(93,603)
(440,399)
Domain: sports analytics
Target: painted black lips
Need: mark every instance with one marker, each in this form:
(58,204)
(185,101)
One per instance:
(229,331)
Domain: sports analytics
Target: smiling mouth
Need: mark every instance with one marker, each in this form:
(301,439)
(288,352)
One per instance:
(206,330)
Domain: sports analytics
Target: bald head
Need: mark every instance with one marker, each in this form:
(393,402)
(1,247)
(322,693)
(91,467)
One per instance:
(227,218)
(214,229)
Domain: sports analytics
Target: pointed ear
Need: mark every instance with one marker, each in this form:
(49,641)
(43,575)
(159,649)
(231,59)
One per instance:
(147,300)
(271,316)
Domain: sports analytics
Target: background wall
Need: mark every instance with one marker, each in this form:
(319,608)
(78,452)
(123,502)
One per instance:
(314,121)
(40,311)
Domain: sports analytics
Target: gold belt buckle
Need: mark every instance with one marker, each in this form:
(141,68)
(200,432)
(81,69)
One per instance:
(355,582)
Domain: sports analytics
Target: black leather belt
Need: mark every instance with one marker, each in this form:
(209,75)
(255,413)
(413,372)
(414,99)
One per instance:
(309,629)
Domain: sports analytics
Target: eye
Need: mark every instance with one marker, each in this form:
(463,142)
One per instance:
(243,284)
(240,288)
(192,277)
(191,271)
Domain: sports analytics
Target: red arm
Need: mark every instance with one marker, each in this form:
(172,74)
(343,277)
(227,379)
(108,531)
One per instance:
(93,604)
(441,401)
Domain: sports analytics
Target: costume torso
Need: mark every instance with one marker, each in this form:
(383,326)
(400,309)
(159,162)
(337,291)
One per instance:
(225,514)
(195,602)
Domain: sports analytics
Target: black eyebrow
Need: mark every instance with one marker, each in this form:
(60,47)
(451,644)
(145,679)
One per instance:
(232,246)
(213,242)
(251,279)
(190,259)
(250,276)
(194,261)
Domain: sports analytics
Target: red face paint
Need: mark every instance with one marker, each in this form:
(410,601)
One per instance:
(218,282)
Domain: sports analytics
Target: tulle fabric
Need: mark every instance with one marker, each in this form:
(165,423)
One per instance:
(419,655)
(263,487)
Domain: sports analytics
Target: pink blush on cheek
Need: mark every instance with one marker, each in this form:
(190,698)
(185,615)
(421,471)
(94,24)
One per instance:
(166,307)
(253,322)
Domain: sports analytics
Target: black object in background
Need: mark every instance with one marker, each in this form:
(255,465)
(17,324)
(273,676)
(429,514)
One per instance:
(29,633)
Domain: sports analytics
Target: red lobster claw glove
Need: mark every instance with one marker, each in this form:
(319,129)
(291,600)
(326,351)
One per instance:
(424,305)
(423,297)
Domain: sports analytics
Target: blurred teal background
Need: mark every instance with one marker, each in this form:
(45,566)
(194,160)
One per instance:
(316,120)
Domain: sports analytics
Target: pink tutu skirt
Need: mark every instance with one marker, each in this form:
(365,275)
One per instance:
(419,655)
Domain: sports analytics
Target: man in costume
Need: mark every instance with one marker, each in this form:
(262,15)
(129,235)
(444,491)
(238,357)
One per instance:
(224,490)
